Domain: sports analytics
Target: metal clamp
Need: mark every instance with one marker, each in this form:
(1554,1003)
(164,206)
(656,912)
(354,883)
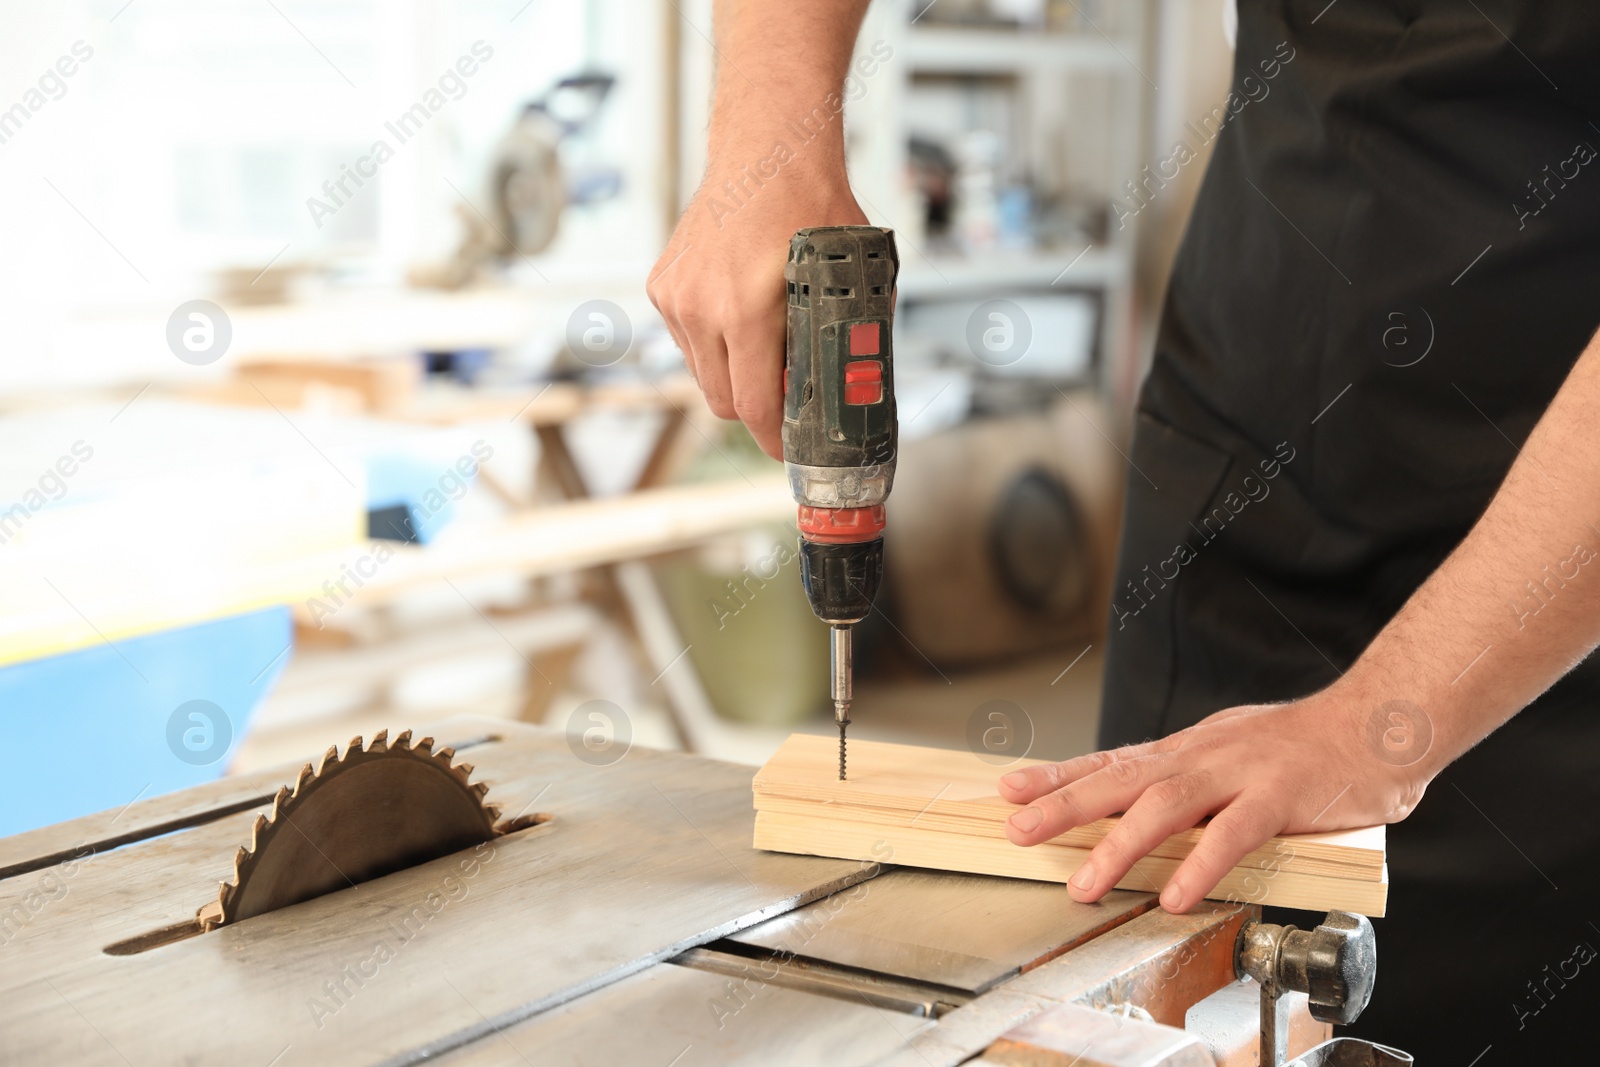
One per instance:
(1335,965)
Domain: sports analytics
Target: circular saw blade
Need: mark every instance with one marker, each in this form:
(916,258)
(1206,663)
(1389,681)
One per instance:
(377,809)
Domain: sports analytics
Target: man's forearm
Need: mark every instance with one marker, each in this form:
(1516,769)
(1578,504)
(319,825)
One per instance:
(778,66)
(775,164)
(1517,604)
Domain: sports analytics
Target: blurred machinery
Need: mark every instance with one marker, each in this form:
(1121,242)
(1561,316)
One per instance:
(529,185)
(1004,534)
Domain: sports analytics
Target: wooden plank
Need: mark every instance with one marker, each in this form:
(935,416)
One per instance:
(915,847)
(546,540)
(937,784)
(378,383)
(554,403)
(583,533)
(1278,853)
(940,809)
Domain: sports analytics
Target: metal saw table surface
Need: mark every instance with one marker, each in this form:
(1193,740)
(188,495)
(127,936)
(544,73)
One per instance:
(637,925)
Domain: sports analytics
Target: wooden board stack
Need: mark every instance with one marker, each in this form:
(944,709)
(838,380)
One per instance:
(929,807)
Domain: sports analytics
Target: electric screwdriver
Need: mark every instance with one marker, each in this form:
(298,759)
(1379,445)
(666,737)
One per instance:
(839,428)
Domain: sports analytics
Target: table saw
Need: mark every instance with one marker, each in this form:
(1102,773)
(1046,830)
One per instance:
(602,912)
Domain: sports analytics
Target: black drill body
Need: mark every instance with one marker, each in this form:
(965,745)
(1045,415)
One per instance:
(839,426)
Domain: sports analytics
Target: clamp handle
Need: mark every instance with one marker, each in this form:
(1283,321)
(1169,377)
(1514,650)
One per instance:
(1335,964)
(1340,962)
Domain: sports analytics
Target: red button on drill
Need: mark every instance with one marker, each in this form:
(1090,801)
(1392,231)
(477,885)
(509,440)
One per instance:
(864,339)
(863,382)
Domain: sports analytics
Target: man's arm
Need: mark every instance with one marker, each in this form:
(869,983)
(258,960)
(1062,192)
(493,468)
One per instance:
(1474,645)
(775,165)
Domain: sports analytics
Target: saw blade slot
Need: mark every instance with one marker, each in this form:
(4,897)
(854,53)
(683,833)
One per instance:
(750,964)
(521,822)
(169,935)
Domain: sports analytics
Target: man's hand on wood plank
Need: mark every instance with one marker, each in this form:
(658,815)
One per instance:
(1302,767)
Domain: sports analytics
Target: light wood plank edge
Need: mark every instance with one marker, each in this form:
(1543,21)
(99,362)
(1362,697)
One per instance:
(586,533)
(913,847)
(1280,853)
(791,774)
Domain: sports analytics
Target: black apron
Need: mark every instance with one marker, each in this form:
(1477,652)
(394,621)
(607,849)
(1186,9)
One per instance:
(1393,263)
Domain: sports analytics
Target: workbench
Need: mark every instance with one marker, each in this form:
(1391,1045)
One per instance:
(633,924)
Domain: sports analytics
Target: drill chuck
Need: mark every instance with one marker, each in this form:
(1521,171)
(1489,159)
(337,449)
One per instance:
(841,581)
(841,560)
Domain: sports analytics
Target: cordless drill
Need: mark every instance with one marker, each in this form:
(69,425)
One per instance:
(839,429)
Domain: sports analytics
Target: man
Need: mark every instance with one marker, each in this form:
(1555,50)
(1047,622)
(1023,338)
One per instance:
(1376,332)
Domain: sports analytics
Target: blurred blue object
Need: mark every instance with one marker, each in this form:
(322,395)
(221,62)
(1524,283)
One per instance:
(463,365)
(1016,217)
(97,728)
(412,493)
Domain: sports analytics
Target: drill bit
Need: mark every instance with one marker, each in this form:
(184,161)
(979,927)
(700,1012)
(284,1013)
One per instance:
(843,722)
(842,670)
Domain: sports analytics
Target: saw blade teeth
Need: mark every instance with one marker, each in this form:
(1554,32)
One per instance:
(222,907)
(260,861)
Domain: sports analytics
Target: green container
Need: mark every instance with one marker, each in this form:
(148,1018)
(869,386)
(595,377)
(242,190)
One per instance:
(761,653)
